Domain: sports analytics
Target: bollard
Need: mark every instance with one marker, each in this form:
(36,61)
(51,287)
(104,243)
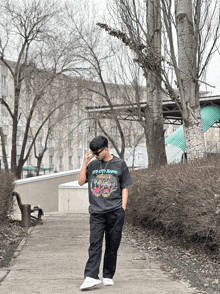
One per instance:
(26,215)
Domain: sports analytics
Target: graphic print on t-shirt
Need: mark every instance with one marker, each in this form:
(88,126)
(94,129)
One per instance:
(103,185)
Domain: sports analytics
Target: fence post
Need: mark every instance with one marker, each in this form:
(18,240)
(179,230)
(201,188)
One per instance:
(26,215)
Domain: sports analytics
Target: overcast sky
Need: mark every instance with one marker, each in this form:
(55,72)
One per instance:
(213,75)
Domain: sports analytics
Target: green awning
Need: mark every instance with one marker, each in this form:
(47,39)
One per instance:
(45,168)
(32,168)
(209,114)
(28,168)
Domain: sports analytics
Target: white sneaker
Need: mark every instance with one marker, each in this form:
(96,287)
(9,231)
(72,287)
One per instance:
(108,282)
(89,283)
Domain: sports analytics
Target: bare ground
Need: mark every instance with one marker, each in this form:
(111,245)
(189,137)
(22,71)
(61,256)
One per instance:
(181,260)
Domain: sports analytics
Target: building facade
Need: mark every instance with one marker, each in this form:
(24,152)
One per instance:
(70,129)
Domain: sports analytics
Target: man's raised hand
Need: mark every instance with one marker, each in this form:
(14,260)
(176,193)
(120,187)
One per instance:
(88,156)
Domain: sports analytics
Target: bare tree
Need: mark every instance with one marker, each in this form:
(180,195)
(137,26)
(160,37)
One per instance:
(3,149)
(40,154)
(95,56)
(192,28)
(32,36)
(141,32)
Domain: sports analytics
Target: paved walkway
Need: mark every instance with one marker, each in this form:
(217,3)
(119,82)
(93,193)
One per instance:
(54,255)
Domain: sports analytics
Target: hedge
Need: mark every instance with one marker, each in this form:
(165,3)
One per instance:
(181,199)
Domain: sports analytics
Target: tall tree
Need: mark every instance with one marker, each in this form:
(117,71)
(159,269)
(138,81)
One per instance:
(192,28)
(95,66)
(30,33)
(154,115)
(142,34)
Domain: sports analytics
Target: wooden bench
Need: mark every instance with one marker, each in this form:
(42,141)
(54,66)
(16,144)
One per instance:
(37,219)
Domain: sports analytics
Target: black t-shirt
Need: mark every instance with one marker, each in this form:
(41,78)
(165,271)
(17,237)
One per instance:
(106,179)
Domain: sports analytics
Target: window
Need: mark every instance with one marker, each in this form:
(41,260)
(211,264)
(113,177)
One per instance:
(5,120)
(126,131)
(175,127)
(19,138)
(140,130)
(29,160)
(40,142)
(6,139)
(89,96)
(40,119)
(50,160)
(50,142)
(70,160)
(70,143)
(79,161)
(114,130)
(61,163)
(4,80)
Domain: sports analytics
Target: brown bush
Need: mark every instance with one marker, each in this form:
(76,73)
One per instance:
(181,199)
(6,198)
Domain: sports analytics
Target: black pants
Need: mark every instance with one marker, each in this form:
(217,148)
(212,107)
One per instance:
(111,224)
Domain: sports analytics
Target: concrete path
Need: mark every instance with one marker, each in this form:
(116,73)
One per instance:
(54,255)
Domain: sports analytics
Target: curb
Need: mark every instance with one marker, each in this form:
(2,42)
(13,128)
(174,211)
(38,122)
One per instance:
(3,275)
(5,271)
(21,245)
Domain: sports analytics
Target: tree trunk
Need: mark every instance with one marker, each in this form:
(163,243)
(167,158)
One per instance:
(154,114)
(39,160)
(155,144)
(187,55)
(133,157)
(14,147)
(18,171)
(154,131)
(17,90)
(194,136)
(3,150)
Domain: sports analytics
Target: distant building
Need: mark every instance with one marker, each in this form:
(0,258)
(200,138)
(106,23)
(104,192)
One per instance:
(69,140)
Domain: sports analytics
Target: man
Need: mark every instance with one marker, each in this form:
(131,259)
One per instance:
(108,180)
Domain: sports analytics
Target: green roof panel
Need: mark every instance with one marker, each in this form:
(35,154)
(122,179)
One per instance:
(209,114)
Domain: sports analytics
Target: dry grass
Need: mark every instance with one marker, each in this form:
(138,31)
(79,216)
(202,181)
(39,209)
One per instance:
(11,234)
(180,199)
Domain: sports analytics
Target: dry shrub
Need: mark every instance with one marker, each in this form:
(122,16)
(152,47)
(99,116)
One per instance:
(6,198)
(181,199)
